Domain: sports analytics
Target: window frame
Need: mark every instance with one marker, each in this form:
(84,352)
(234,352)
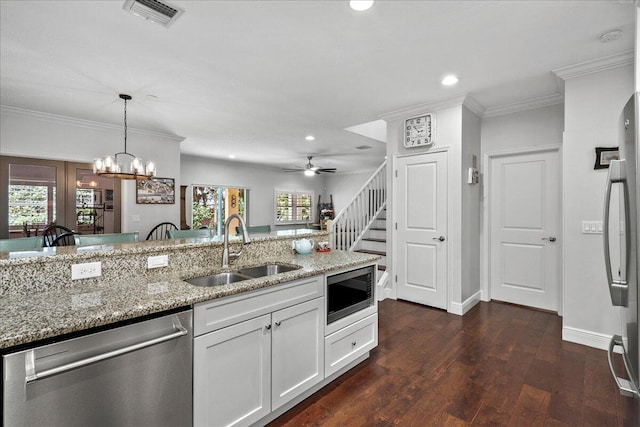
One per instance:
(294,207)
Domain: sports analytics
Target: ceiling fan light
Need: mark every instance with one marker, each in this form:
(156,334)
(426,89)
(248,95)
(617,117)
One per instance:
(309,172)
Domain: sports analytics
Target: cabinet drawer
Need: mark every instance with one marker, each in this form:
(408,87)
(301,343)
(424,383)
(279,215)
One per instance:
(349,343)
(219,313)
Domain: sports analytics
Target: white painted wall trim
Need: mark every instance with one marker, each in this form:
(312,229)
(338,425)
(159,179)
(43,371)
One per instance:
(381,286)
(529,104)
(595,66)
(588,338)
(462,308)
(485,248)
(87,124)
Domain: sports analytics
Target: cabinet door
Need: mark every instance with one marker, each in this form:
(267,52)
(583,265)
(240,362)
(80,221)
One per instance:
(232,374)
(297,350)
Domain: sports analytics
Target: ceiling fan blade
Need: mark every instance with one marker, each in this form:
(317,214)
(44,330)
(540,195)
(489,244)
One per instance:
(292,170)
(328,170)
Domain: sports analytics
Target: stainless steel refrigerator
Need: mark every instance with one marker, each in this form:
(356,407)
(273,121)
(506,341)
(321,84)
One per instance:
(622,258)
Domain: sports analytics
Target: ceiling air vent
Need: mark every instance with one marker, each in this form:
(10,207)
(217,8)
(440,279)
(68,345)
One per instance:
(153,10)
(363,147)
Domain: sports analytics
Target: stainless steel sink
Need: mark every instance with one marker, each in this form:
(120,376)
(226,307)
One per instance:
(218,279)
(242,274)
(267,270)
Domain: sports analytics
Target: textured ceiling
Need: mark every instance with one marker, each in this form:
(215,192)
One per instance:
(252,78)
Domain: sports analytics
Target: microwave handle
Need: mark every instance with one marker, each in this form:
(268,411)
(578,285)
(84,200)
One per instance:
(618,289)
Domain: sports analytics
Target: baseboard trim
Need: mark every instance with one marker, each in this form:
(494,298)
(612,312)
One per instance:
(468,304)
(588,338)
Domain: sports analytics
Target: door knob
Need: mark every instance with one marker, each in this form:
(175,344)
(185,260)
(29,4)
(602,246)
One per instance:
(440,239)
(551,239)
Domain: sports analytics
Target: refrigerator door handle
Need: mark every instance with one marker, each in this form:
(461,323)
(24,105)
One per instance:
(618,289)
(624,385)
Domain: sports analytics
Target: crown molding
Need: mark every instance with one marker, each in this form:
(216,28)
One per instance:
(529,104)
(474,106)
(595,65)
(88,124)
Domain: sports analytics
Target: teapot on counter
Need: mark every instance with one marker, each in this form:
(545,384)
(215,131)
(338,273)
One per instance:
(303,246)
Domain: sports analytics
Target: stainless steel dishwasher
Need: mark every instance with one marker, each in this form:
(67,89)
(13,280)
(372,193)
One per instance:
(139,374)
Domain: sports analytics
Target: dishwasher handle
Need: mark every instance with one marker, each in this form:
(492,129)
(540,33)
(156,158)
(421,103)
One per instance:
(30,358)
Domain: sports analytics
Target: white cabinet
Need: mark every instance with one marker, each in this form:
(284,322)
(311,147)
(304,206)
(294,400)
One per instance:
(244,371)
(232,374)
(296,350)
(349,343)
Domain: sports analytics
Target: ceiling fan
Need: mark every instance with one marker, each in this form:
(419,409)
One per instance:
(310,170)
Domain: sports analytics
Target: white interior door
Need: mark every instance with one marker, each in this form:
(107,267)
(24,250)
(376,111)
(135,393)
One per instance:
(422,229)
(524,218)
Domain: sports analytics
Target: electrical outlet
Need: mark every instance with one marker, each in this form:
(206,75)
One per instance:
(86,270)
(157,261)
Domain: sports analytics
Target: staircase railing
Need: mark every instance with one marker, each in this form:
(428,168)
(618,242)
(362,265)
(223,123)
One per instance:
(349,226)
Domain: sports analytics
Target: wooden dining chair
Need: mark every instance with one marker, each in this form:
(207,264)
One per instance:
(159,232)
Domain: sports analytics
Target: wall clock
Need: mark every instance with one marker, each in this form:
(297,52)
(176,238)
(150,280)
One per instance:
(419,131)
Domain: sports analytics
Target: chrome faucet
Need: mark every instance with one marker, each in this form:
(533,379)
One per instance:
(226,256)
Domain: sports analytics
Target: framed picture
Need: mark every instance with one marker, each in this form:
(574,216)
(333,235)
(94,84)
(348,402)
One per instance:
(604,155)
(108,195)
(108,206)
(156,191)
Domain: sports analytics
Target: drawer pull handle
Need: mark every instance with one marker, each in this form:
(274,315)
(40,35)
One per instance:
(267,327)
(353,343)
(278,323)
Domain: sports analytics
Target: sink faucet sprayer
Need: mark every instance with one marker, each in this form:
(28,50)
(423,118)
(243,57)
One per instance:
(226,256)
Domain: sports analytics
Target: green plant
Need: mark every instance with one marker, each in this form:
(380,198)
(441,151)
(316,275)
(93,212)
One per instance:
(200,214)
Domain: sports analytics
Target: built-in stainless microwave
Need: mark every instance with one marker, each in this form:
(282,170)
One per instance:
(349,292)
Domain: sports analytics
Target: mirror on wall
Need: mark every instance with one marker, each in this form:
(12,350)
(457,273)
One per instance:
(212,204)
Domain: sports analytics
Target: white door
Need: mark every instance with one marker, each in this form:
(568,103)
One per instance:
(232,374)
(297,340)
(524,218)
(422,229)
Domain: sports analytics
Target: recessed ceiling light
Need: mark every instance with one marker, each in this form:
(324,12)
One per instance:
(449,80)
(360,5)
(232,156)
(611,36)
(310,138)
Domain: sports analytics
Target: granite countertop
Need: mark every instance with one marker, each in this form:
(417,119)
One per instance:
(36,316)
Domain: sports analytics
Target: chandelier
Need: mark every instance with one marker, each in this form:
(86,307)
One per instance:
(113,167)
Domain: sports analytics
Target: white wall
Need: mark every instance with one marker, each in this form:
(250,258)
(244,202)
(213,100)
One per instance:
(261,182)
(343,187)
(471,210)
(593,104)
(47,136)
(526,129)
(449,137)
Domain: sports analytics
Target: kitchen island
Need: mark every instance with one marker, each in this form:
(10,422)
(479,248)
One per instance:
(40,305)
(40,301)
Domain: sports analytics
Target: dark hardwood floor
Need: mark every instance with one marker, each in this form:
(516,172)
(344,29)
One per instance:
(498,365)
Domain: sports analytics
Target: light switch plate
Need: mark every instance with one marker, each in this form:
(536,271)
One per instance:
(86,270)
(157,261)
(591,227)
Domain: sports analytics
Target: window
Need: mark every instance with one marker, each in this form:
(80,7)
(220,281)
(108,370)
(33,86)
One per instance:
(212,205)
(293,206)
(32,195)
